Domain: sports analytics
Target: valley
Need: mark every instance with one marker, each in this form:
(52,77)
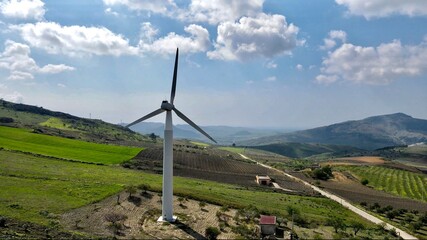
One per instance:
(60,184)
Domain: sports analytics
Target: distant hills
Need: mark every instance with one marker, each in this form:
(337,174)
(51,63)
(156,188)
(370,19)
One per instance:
(369,133)
(223,134)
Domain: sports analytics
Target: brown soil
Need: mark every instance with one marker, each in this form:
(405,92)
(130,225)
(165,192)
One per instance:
(142,213)
(213,165)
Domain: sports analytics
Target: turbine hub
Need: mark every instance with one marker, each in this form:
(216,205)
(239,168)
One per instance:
(166,106)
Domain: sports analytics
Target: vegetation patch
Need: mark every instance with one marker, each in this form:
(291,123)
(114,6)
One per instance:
(38,189)
(26,141)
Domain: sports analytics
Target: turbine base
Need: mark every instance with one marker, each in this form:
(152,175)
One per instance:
(162,219)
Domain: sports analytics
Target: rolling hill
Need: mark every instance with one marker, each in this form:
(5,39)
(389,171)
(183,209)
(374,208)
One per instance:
(370,133)
(48,122)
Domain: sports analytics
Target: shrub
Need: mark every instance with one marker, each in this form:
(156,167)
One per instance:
(323,173)
(365,181)
(212,232)
(2,222)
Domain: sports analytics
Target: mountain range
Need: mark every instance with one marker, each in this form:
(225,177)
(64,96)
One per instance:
(369,133)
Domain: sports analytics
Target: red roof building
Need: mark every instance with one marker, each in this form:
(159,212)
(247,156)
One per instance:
(268,225)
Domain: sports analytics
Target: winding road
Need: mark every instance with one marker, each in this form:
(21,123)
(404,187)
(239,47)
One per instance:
(341,201)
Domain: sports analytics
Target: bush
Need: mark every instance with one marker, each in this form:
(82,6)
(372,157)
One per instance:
(323,173)
(2,222)
(212,232)
(365,181)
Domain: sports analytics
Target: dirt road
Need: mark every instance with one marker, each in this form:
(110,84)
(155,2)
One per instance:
(343,202)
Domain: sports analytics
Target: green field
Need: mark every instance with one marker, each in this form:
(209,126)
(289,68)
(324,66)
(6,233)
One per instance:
(31,184)
(26,141)
(233,149)
(398,182)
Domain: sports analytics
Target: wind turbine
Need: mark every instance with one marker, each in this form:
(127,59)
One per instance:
(167,201)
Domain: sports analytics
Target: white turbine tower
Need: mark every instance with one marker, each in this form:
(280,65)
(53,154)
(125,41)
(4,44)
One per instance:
(167,201)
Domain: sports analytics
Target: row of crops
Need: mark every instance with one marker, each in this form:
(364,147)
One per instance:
(395,181)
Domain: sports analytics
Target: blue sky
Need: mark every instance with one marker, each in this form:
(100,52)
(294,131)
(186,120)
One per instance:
(259,63)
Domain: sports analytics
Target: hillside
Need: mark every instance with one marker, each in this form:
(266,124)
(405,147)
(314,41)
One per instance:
(303,150)
(370,133)
(48,122)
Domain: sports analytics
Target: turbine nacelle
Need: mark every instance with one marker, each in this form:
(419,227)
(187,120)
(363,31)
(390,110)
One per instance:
(167,106)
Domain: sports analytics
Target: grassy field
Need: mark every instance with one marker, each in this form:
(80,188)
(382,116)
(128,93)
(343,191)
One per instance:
(398,182)
(26,141)
(233,149)
(32,185)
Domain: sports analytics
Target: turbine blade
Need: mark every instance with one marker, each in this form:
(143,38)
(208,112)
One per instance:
(191,123)
(175,72)
(158,111)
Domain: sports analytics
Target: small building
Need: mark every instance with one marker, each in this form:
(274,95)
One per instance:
(263,180)
(267,225)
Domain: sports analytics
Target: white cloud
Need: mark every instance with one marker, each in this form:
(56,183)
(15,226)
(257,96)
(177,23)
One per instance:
(270,79)
(198,41)
(263,36)
(111,12)
(212,11)
(216,11)
(299,67)
(334,35)
(23,9)
(374,65)
(10,96)
(148,32)
(383,8)
(271,64)
(74,40)
(157,6)
(16,58)
(61,85)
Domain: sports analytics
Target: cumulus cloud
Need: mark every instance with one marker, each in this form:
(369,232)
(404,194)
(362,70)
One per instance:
(216,11)
(16,58)
(157,6)
(299,67)
(212,11)
(198,41)
(10,96)
(23,9)
(74,40)
(262,36)
(374,65)
(383,8)
(330,41)
(148,32)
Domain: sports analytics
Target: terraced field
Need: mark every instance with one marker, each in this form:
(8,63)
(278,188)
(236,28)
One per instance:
(399,182)
(26,141)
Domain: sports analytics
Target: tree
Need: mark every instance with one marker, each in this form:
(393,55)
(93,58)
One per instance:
(212,233)
(337,223)
(357,226)
(153,137)
(143,187)
(131,189)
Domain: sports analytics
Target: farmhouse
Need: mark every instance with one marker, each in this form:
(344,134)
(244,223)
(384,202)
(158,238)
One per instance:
(263,180)
(267,225)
